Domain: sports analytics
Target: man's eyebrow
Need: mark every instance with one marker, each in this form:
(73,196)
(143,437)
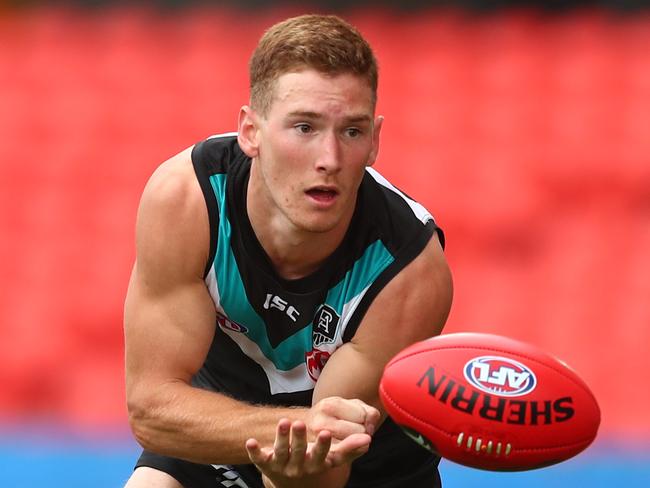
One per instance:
(314,115)
(304,113)
(359,118)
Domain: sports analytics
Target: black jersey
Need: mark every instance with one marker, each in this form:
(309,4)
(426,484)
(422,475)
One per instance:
(273,335)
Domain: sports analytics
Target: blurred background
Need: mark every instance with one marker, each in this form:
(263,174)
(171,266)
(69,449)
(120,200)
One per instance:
(523,126)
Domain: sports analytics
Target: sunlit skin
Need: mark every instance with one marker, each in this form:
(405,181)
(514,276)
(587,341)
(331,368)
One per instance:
(309,151)
(309,154)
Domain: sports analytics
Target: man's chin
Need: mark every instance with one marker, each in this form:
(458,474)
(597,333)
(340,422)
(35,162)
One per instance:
(318,228)
(317,225)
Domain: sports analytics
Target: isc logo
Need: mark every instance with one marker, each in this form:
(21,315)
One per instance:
(500,376)
(274,301)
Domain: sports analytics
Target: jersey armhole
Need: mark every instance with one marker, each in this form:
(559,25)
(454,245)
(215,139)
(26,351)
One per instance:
(408,254)
(202,175)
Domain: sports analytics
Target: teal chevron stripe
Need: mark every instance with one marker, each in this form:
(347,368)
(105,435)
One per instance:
(374,260)
(288,354)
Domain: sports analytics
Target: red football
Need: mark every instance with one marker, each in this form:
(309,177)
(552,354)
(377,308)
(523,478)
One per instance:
(489,402)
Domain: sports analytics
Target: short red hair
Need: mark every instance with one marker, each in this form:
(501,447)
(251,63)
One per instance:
(325,43)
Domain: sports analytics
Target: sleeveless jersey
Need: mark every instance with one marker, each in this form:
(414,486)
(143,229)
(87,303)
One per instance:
(274,336)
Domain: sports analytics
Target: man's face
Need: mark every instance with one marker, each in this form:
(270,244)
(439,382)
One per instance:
(313,146)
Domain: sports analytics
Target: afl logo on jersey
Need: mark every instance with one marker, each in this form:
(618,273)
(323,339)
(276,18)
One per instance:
(228,324)
(500,376)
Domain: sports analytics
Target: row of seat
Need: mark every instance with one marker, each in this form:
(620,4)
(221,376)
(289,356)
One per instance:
(526,136)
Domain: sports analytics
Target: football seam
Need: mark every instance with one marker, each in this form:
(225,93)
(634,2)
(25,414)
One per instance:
(413,417)
(586,441)
(525,356)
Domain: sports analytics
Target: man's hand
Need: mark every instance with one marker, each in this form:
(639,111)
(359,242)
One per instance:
(340,431)
(342,417)
(294,462)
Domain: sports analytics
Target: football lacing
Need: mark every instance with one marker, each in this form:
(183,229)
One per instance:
(482,447)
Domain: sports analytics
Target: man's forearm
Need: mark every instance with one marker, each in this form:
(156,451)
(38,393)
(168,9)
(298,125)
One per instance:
(202,426)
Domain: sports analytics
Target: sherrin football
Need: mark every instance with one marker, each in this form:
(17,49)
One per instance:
(489,402)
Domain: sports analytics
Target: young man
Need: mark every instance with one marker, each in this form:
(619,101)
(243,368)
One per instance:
(276,275)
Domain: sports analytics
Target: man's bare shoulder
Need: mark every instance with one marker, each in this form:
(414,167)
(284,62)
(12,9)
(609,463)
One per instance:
(172,223)
(173,181)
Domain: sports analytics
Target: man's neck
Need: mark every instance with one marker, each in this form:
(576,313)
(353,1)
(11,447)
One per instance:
(293,256)
(293,252)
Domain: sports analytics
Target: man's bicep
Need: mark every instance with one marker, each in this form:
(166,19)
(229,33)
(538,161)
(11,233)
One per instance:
(169,315)
(412,306)
(167,334)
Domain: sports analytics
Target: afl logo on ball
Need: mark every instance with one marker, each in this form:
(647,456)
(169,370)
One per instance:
(500,376)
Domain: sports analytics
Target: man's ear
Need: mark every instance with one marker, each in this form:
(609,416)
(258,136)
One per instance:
(248,131)
(379,120)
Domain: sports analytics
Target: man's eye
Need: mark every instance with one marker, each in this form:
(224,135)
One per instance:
(353,132)
(303,128)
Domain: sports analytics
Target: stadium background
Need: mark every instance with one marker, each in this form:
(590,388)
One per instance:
(525,130)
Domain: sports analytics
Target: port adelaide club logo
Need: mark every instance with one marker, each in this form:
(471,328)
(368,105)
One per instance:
(326,323)
(500,376)
(325,326)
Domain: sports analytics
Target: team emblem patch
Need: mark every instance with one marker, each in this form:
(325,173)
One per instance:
(315,361)
(325,324)
(225,323)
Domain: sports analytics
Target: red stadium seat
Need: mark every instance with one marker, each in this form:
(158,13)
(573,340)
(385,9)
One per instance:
(526,135)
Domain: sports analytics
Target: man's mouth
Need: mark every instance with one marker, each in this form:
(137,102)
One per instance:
(322,194)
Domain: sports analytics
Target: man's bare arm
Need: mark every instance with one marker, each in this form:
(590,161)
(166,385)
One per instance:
(412,307)
(169,327)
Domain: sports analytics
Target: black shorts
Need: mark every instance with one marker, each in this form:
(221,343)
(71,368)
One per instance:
(192,475)
(393,461)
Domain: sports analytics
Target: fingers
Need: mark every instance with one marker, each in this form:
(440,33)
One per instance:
(339,428)
(278,454)
(282,441)
(306,458)
(348,449)
(291,455)
(353,410)
(256,454)
(344,417)
(373,417)
(296,458)
(321,448)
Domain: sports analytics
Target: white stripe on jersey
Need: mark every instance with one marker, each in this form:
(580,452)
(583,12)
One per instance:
(225,134)
(296,379)
(419,211)
(347,313)
(211,281)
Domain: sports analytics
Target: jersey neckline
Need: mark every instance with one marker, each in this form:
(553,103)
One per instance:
(237,190)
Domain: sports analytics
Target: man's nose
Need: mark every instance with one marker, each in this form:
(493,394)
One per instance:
(329,157)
